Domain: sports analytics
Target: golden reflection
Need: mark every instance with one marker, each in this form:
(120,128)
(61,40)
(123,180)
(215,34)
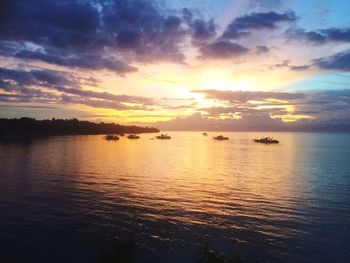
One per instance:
(190,173)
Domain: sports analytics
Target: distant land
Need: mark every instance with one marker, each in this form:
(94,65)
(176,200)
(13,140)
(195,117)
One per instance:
(27,127)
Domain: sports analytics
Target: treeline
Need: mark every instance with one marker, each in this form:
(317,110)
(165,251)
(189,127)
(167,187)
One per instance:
(32,127)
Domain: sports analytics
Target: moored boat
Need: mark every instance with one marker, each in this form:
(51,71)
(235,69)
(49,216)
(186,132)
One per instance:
(163,137)
(111,137)
(220,138)
(133,136)
(266,140)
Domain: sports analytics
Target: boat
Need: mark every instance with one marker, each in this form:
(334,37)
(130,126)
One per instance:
(133,136)
(163,137)
(266,140)
(111,137)
(220,138)
(205,134)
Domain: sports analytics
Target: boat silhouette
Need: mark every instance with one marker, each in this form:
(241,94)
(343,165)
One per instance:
(220,138)
(111,137)
(133,136)
(163,137)
(266,140)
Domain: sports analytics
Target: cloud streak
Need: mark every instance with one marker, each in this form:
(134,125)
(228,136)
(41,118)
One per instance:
(244,25)
(26,86)
(244,96)
(320,36)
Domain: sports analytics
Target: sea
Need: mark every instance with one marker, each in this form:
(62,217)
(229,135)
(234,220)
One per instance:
(69,198)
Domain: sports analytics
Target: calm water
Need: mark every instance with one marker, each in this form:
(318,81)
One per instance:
(62,199)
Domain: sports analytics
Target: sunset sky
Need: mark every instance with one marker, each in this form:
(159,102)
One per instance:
(194,64)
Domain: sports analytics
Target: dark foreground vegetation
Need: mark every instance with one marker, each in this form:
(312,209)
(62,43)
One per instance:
(31,127)
(123,252)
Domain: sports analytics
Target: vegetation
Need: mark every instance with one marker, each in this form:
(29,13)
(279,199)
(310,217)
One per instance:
(122,252)
(210,256)
(32,127)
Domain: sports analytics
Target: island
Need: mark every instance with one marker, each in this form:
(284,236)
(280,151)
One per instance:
(29,127)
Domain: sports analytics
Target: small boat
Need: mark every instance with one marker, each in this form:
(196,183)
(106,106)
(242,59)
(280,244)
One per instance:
(220,138)
(111,137)
(205,134)
(163,137)
(133,136)
(266,140)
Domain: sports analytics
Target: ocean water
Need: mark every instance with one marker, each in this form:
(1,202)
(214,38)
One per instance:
(63,199)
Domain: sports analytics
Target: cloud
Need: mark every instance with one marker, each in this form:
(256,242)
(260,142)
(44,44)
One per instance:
(243,110)
(309,36)
(222,50)
(200,122)
(107,104)
(320,36)
(62,58)
(18,77)
(286,64)
(300,68)
(244,96)
(243,25)
(97,34)
(262,49)
(203,30)
(265,4)
(330,111)
(337,34)
(261,122)
(339,61)
(61,87)
(317,107)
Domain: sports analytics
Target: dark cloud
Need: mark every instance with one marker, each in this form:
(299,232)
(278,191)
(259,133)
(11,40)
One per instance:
(34,77)
(222,49)
(332,106)
(321,36)
(128,39)
(69,24)
(28,106)
(262,49)
(282,64)
(25,94)
(339,61)
(309,36)
(203,30)
(242,26)
(27,85)
(14,78)
(62,58)
(286,64)
(244,96)
(337,34)
(97,34)
(300,68)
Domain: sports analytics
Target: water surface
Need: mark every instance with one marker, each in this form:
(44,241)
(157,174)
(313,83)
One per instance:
(62,199)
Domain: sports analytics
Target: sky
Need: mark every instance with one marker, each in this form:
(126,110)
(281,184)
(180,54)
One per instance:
(178,65)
